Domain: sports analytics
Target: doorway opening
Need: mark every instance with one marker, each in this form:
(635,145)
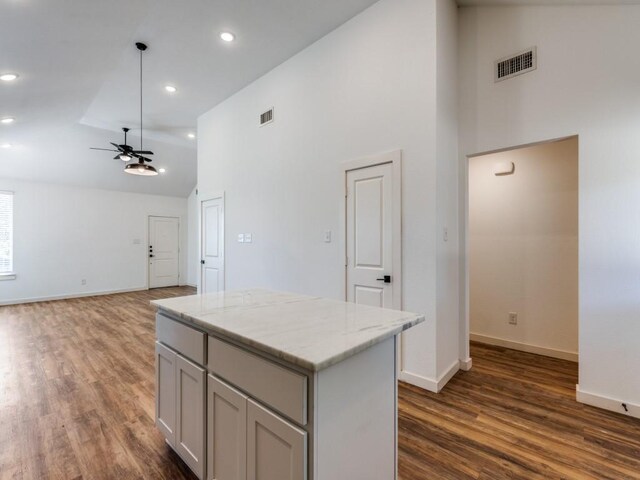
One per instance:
(522,241)
(164,252)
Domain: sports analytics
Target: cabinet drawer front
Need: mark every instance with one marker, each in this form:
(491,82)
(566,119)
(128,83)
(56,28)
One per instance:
(190,342)
(282,389)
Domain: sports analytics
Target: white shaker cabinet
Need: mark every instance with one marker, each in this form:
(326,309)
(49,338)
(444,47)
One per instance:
(226,432)
(276,450)
(190,418)
(180,406)
(166,392)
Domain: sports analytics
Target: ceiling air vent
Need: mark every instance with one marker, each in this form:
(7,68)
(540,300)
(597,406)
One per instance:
(266,117)
(514,65)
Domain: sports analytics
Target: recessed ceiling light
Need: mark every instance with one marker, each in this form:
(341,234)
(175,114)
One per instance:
(8,77)
(171,89)
(227,36)
(7,120)
(6,145)
(191,135)
(162,170)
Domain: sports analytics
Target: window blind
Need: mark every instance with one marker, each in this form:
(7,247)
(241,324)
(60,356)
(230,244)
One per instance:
(6,232)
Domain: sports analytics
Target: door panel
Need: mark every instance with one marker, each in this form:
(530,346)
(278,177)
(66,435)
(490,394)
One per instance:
(370,235)
(166,392)
(190,421)
(227,432)
(212,245)
(164,252)
(369,296)
(276,450)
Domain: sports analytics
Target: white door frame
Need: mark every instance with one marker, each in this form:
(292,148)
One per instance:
(146,252)
(466,361)
(205,197)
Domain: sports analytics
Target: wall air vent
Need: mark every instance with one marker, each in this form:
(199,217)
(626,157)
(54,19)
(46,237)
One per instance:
(514,65)
(266,117)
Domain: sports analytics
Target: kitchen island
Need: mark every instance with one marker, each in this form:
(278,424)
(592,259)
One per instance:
(277,386)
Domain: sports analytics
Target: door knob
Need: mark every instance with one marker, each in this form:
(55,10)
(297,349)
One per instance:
(385,279)
(202,262)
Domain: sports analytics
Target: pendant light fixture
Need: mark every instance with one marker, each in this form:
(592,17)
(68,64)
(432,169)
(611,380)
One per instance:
(140,167)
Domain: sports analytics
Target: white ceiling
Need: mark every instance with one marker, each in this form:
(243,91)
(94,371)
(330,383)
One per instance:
(78,71)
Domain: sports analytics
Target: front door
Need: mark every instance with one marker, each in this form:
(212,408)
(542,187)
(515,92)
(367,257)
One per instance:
(164,252)
(212,246)
(370,236)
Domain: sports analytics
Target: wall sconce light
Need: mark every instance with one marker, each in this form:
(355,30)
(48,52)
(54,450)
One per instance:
(504,168)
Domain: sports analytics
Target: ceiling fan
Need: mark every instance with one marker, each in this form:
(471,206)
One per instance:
(126,152)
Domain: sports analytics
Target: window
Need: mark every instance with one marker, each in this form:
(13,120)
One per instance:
(6,233)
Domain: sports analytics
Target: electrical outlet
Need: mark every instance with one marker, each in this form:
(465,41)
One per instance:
(83,282)
(248,237)
(513,318)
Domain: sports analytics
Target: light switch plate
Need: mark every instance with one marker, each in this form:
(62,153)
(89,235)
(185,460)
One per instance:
(248,238)
(241,238)
(327,236)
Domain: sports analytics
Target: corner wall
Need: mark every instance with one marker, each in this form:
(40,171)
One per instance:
(585,85)
(65,234)
(368,87)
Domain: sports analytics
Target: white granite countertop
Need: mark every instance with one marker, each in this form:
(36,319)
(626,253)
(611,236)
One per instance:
(311,332)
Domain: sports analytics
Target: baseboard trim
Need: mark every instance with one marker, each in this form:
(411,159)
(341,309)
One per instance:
(427,383)
(69,296)
(524,347)
(466,364)
(607,403)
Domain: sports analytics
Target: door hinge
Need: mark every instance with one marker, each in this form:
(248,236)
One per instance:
(346,262)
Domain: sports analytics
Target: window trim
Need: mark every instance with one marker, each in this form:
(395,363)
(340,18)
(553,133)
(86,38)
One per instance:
(10,275)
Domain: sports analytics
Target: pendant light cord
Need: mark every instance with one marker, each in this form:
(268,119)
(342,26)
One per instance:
(140,100)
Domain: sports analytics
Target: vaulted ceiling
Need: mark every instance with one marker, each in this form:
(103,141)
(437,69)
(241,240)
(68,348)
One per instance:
(78,81)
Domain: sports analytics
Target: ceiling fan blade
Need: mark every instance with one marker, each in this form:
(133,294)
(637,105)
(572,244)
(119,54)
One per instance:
(105,149)
(144,158)
(117,157)
(142,152)
(117,146)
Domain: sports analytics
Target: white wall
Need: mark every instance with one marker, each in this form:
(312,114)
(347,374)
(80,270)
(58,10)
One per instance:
(523,244)
(586,85)
(193,244)
(65,234)
(368,87)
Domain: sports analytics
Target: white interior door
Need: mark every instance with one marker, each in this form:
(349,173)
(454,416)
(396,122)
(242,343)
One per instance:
(370,226)
(212,245)
(164,252)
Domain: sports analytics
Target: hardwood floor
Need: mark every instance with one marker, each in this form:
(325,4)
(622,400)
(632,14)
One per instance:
(513,416)
(77,402)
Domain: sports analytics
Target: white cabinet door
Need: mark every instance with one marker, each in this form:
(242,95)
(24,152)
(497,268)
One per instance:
(166,392)
(276,450)
(190,421)
(227,432)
